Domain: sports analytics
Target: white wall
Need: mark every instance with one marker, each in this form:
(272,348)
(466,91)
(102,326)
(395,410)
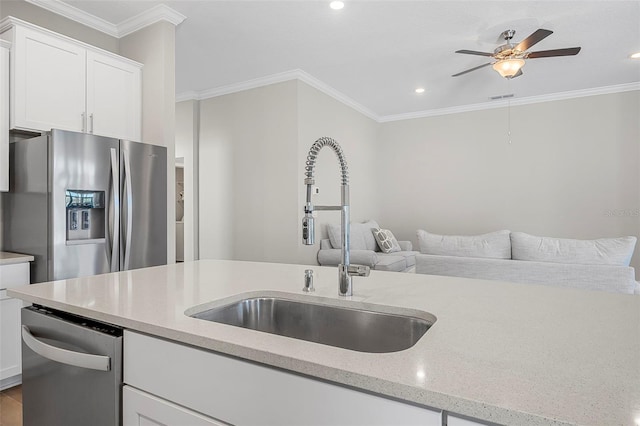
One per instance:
(569,165)
(154,46)
(321,115)
(253,146)
(187,134)
(248,192)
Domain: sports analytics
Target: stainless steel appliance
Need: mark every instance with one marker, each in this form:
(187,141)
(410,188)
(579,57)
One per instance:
(71,370)
(84,204)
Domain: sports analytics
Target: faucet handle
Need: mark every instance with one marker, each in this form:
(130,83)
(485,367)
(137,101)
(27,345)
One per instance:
(359,270)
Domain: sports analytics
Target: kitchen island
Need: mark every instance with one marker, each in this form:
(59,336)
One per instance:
(498,352)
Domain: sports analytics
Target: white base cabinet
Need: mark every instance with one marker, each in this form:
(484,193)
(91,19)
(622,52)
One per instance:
(244,393)
(10,340)
(142,409)
(61,83)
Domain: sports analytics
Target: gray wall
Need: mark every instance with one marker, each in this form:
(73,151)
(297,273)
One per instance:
(572,170)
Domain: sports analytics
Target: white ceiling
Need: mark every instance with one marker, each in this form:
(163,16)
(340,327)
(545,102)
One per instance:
(377,52)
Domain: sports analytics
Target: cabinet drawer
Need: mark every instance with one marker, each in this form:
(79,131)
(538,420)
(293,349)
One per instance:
(14,275)
(142,409)
(242,393)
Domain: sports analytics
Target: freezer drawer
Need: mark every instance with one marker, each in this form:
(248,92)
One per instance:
(72,370)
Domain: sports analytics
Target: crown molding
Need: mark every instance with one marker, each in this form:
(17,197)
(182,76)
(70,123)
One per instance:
(296,74)
(514,102)
(78,15)
(191,95)
(158,13)
(328,90)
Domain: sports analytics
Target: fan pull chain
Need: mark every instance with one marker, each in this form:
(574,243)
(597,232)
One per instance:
(509,119)
(509,111)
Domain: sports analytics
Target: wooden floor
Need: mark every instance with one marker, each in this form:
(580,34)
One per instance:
(11,407)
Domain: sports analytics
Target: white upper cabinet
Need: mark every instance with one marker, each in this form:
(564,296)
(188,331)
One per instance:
(113,97)
(47,82)
(4,116)
(61,83)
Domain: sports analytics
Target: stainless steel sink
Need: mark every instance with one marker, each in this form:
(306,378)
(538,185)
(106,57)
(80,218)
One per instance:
(357,329)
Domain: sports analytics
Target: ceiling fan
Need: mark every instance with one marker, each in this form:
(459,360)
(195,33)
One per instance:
(510,58)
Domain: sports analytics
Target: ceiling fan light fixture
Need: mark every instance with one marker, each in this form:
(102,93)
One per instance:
(336,5)
(508,68)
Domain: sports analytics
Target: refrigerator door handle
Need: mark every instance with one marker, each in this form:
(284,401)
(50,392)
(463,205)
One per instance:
(127,177)
(113,232)
(76,359)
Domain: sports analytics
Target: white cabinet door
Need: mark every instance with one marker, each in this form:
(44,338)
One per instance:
(10,344)
(113,97)
(4,118)
(10,340)
(142,409)
(47,82)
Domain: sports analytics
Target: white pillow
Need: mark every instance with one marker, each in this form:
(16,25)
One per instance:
(386,241)
(603,251)
(361,235)
(495,245)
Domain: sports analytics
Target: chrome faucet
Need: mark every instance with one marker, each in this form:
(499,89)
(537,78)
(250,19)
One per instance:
(345,270)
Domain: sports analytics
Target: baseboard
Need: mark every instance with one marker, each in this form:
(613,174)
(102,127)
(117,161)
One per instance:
(10,382)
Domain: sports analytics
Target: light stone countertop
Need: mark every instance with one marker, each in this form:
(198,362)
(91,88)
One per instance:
(7,258)
(507,353)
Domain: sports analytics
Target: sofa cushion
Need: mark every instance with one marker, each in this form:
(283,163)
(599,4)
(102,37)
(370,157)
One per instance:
(386,241)
(409,256)
(361,235)
(603,251)
(496,245)
(333,257)
(390,262)
(609,278)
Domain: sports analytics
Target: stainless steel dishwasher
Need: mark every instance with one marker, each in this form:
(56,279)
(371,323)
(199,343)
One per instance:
(71,370)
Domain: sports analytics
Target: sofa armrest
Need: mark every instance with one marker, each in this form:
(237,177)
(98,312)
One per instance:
(405,245)
(333,257)
(325,244)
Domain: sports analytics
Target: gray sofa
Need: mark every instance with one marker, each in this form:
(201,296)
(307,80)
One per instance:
(601,265)
(364,250)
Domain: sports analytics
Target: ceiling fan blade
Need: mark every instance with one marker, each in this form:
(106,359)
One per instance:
(534,38)
(474,52)
(471,69)
(556,52)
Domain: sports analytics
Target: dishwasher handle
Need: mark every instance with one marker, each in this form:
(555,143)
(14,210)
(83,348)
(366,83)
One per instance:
(76,359)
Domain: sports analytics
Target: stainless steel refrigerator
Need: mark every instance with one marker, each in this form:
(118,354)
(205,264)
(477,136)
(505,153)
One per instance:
(85,205)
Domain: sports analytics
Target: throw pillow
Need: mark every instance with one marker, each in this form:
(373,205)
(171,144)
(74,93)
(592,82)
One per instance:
(386,241)
(495,245)
(603,251)
(361,235)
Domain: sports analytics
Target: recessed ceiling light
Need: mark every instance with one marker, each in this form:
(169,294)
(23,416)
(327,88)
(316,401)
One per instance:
(336,5)
(419,90)
(635,55)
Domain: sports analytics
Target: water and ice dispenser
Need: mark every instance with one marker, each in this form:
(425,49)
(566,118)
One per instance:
(85,216)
